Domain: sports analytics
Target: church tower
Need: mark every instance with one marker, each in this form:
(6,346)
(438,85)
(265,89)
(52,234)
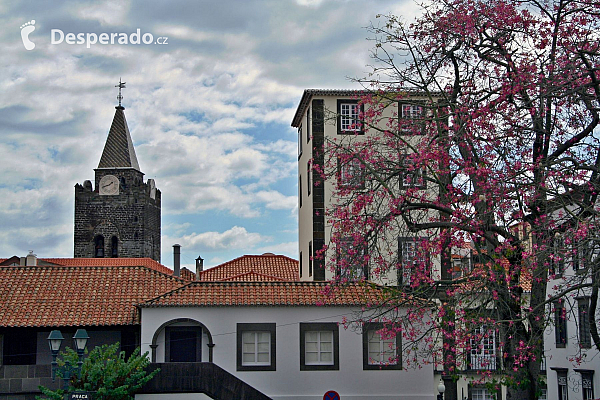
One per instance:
(120,215)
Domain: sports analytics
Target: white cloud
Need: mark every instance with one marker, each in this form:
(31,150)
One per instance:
(235,238)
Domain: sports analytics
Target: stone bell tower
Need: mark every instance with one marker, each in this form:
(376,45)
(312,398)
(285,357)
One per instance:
(119,215)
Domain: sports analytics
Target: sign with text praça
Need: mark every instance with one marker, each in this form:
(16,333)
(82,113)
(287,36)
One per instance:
(80,396)
(331,395)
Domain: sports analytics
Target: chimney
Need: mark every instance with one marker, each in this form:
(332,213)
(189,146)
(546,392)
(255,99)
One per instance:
(31,259)
(176,259)
(199,267)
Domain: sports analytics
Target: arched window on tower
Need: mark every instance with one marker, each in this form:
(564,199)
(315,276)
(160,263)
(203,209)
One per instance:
(114,246)
(99,246)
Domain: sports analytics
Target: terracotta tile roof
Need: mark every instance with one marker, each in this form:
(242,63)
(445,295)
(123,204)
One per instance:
(254,266)
(267,294)
(186,274)
(107,262)
(252,277)
(48,296)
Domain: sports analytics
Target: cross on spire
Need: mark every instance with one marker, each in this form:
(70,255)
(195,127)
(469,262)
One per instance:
(121,85)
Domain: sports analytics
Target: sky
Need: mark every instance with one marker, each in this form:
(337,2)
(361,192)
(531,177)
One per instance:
(209,112)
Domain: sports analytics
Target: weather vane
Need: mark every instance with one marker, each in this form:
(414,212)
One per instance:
(121,85)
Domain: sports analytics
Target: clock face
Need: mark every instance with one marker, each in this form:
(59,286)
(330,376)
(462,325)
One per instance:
(109,185)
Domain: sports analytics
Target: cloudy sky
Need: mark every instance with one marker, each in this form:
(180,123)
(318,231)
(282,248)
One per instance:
(209,112)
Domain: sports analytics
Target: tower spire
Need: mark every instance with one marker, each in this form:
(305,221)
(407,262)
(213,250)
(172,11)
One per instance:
(121,85)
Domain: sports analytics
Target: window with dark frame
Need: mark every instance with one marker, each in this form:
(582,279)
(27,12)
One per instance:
(560,324)
(351,174)
(300,140)
(587,384)
(412,176)
(412,256)
(310,259)
(300,190)
(483,349)
(350,258)
(563,392)
(411,116)
(348,121)
(256,347)
(114,247)
(558,256)
(308,180)
(319,346)
(308,124)
(99,246)
(300,265)
(381,352)
(481,393)
(585,336)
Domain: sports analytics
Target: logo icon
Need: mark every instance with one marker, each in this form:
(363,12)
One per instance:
(26,29)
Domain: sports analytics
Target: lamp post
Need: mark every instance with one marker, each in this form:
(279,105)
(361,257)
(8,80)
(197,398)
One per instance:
(68,370)
(441,389)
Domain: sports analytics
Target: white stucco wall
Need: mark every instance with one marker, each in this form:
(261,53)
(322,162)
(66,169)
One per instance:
(288,382)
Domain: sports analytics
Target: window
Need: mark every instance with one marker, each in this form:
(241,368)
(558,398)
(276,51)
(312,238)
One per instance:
(300,265)
(558,256)
(99,246)
(483,349)
(413,260)
(350,257)
(461,266)
(587,384)
(543,394)
(308,180)
(381,352)
(310,259)
(585,337)
(412,176)
(300,190)
(114,247)
(563,393)
(319,346)
(348,117)
(560,324)
(583,253)
(308,124)
(351,174)
(184,344)
(481,393)
(411,117)
(300,140)
(256,347)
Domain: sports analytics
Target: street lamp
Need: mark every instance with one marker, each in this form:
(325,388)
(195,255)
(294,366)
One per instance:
(68,370)
(441,389)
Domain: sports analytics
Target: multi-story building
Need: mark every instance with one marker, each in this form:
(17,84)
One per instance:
(326,118)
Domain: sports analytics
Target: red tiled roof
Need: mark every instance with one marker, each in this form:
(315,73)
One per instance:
(252,277)
(267,294)
(276,266)
(100,262)
(48,296)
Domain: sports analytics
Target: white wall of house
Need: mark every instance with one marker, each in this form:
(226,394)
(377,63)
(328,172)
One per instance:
(288,382)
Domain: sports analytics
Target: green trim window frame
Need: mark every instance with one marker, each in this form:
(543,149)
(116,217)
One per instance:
(256,344)
(557,267)
(308,180)
(319,346)
(348,114)
(380,352)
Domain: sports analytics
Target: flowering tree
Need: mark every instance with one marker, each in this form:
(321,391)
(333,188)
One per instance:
(483,141)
